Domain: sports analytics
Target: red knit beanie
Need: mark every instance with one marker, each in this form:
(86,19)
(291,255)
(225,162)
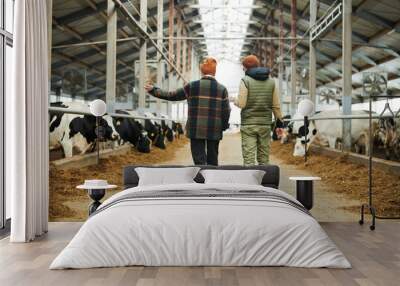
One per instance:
(250,62)
(208,66)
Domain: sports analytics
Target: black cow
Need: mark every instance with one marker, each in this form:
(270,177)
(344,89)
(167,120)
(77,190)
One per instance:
(288,126)
(177,128)
(167,131)
(132,131)
(55,117)
(155,133)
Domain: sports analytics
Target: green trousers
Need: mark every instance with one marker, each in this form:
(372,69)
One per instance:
(256,141)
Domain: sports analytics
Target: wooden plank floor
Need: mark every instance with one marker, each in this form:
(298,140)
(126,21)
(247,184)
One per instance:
(375,257)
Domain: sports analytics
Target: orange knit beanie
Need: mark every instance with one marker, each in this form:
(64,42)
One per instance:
(208,66)
(250,62)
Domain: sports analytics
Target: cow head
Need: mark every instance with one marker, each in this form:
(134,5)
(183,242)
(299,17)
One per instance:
(301,144)
(107,130)
(113,134)
(159,141)
(286,133)
(180,128)
(386,134)
(143,144)
(152,131)
(169,134)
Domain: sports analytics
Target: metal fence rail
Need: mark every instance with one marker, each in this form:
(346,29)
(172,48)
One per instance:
(343,117)
(81,112)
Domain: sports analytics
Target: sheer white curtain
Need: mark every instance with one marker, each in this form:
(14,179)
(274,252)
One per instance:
(27,123)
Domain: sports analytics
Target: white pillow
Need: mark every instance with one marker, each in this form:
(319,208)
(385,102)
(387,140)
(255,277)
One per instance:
(166,176)
(248,177)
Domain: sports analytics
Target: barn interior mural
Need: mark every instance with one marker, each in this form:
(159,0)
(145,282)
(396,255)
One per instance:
(199,142)
(137,128)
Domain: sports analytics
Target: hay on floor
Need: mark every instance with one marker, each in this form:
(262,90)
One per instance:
(347,178)
(70,204)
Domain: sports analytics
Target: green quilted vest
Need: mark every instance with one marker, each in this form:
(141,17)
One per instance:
(258,110)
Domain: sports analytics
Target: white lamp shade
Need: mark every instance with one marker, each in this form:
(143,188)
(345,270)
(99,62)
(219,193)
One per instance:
(98,107)
(306,107)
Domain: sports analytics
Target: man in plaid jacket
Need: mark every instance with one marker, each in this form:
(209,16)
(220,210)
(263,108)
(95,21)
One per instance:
(208,112)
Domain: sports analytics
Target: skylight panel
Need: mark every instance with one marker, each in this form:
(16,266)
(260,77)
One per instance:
(228,19)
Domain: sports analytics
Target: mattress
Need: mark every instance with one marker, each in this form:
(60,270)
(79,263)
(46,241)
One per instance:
(201,225)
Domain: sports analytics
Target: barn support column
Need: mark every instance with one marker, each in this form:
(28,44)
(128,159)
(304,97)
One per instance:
(194,62)
(312,80)
(160,12)
(281,46)
(265,53)
(272,46)
(256,51)
(293,99)
(287,75)
(189,57)
(179,44)
(347,72)
(111,73)
(184,54)
(171,15)
(142,55)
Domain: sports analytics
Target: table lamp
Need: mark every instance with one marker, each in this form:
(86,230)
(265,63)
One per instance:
(98,108)
(305,109)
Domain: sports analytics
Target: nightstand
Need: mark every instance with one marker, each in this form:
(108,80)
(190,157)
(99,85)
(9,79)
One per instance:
(305,190)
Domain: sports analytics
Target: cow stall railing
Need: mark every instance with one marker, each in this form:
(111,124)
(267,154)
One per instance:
(342,117)
(121,115)
(369,206)
(142,146)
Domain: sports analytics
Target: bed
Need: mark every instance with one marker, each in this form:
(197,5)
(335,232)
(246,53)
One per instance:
(198,224)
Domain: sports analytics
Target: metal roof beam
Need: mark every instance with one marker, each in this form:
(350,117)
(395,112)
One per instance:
(303,47)
(82,13)
(367,59)
(330,45)
(78,36)
(365,15)
(286,9)
(373,18)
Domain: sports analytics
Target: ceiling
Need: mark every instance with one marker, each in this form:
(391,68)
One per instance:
(83,21)
(376,39)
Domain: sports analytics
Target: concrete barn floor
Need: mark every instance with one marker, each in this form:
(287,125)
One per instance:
(328,206)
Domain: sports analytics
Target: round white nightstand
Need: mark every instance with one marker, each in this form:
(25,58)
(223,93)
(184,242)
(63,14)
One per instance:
(96,190)
(305,190)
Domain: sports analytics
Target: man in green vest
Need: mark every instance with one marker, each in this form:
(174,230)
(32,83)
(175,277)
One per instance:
(258,98)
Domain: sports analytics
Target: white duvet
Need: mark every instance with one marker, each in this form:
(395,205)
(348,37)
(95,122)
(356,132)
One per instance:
(200,231)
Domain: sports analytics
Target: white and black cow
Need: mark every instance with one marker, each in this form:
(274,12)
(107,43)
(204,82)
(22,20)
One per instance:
(387,135)
(115,135)
(329,132)
(153,129)
(132,131)
(177,129)
(166,127)
(286,128)
(75,132)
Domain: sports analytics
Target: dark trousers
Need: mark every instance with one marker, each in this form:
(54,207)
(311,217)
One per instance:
(204,152)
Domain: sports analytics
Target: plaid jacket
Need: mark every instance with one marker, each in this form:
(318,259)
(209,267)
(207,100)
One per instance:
(208,107)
